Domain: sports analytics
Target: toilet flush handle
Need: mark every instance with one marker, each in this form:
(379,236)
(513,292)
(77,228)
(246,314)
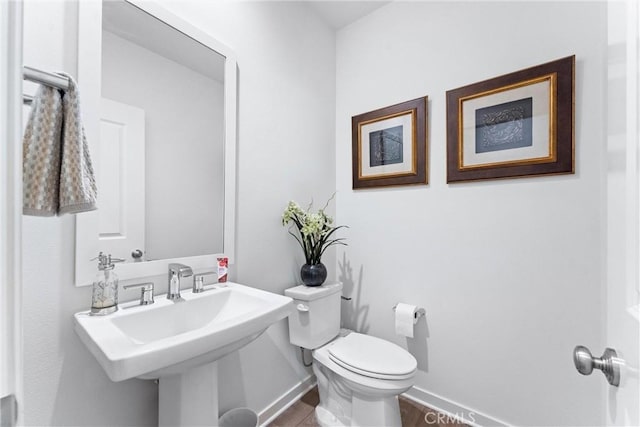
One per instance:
(303,308)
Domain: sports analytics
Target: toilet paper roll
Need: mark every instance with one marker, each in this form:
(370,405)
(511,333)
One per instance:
(405,319)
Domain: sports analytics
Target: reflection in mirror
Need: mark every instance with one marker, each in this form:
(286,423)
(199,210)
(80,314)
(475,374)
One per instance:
(160,113)
(161,169)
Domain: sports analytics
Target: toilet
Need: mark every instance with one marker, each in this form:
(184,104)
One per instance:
(359,376)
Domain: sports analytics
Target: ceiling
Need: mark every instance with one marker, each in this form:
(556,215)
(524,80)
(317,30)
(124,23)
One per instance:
(133,24)
(126,21)
(340,13)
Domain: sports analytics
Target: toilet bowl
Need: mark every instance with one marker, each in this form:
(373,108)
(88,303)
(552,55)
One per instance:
(362,377)
(359,376)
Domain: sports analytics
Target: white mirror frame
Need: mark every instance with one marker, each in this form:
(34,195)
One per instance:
(89,80)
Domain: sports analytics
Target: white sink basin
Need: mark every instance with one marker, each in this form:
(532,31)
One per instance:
(168,337)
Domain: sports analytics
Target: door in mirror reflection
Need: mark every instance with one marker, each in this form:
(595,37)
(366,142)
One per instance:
(121,176)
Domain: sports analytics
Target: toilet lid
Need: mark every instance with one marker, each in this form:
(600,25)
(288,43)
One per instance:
(373,357)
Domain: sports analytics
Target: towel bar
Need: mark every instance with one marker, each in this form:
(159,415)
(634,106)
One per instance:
(43,77)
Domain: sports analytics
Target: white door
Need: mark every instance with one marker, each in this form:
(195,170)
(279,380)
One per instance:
(121,179)
(623,318)
(10,211)
(623,219)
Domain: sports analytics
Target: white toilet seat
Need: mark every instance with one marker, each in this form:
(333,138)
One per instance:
(375,375)
(372,357)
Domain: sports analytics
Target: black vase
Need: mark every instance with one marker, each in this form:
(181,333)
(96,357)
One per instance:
(313,274)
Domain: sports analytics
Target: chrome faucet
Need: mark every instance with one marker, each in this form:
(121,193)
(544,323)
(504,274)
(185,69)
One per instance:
(146,292)
(198,281)
(176,272)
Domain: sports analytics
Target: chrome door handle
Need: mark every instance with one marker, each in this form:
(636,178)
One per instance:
(609,363)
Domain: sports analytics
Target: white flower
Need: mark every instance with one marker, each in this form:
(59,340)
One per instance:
(314,230)
(293,211)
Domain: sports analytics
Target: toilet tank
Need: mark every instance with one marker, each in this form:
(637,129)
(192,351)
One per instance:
(316,318)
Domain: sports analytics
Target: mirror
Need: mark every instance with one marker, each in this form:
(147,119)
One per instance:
(171,87)
(165,150)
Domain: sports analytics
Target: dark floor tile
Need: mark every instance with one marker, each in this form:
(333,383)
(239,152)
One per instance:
(312,397)
(293,415)
(302,414)
(410,414)
(310,421)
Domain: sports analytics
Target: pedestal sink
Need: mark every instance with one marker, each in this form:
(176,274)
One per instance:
(180,342)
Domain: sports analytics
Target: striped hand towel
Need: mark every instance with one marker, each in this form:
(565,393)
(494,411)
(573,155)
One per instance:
(58,175)
(78,190)
(41,154)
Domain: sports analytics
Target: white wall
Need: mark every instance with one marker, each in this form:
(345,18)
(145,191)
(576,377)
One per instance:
(286,61)
(63,383)
(510,272)
(184,112)
(285,151)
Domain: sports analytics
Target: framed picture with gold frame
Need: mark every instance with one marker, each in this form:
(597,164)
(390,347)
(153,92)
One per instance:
(390,145)
(515,125)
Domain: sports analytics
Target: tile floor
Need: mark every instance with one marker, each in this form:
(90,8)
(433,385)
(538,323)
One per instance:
(302,414)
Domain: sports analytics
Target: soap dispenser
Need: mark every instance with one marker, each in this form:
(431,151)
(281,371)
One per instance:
(104,299)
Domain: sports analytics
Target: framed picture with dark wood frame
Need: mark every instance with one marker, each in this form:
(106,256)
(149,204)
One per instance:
(515,125)
(390,145)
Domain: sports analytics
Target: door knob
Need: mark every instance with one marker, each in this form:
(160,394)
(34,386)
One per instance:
(608,363)
(136,254)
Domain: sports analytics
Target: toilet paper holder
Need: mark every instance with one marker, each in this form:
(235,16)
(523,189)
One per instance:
(418,314)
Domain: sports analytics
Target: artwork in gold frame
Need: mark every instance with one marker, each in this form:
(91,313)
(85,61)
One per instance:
(515,125)
(390,145)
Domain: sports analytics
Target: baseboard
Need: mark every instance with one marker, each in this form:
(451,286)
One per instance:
(451,410)
(290,397)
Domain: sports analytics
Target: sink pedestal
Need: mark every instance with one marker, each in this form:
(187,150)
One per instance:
(189,398)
